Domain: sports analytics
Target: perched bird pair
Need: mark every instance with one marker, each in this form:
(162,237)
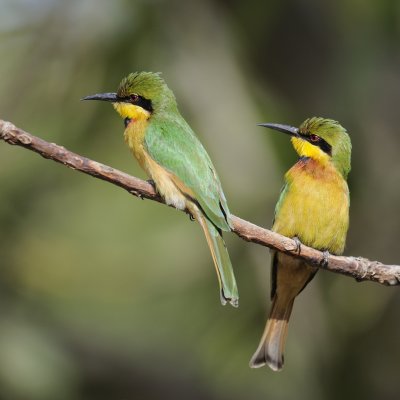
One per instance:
(313,206)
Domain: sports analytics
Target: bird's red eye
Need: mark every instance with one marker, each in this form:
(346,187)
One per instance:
(314,138)
(134,97)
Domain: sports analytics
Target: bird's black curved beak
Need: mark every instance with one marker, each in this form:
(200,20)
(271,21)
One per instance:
(289,130)
(103,97)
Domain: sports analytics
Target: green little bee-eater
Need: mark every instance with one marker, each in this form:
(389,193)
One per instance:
(170,153)
(314,208)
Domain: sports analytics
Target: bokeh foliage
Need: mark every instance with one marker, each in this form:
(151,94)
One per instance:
(104,296)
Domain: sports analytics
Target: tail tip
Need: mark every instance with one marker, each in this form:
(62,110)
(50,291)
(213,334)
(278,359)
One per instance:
(256,363)
(260,359)
(275,365)
(233,301)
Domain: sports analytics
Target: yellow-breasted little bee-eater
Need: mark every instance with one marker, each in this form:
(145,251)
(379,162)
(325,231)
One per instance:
(170,153)
(314,208)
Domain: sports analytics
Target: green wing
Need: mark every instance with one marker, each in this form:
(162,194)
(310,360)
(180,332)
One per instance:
(171,142)
(282,196)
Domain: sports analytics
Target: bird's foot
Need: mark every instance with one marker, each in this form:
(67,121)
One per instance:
(298,244)
(152,183)
(190,215)
(325,260)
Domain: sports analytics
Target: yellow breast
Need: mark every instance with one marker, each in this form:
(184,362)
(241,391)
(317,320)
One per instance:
(134,138)
(135,129)
(169,186)
(315,207)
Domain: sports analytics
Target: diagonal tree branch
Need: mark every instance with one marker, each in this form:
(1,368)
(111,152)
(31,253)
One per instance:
(359,268)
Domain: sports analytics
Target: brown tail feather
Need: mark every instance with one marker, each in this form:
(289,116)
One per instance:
(272,344)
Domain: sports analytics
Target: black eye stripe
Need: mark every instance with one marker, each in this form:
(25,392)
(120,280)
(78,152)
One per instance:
(325,146)
(139,101)
(319,142)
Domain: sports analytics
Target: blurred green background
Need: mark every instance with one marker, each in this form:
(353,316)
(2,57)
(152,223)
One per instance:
(104,296)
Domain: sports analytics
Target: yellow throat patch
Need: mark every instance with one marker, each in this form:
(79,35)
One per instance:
(127,110)
(306,149)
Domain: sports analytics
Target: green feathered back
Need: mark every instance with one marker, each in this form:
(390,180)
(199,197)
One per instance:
(172,143)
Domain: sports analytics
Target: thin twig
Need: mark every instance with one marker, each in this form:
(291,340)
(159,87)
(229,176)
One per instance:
(359,268)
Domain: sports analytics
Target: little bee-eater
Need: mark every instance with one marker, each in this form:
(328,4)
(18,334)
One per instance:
(170,153)
(314,208)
